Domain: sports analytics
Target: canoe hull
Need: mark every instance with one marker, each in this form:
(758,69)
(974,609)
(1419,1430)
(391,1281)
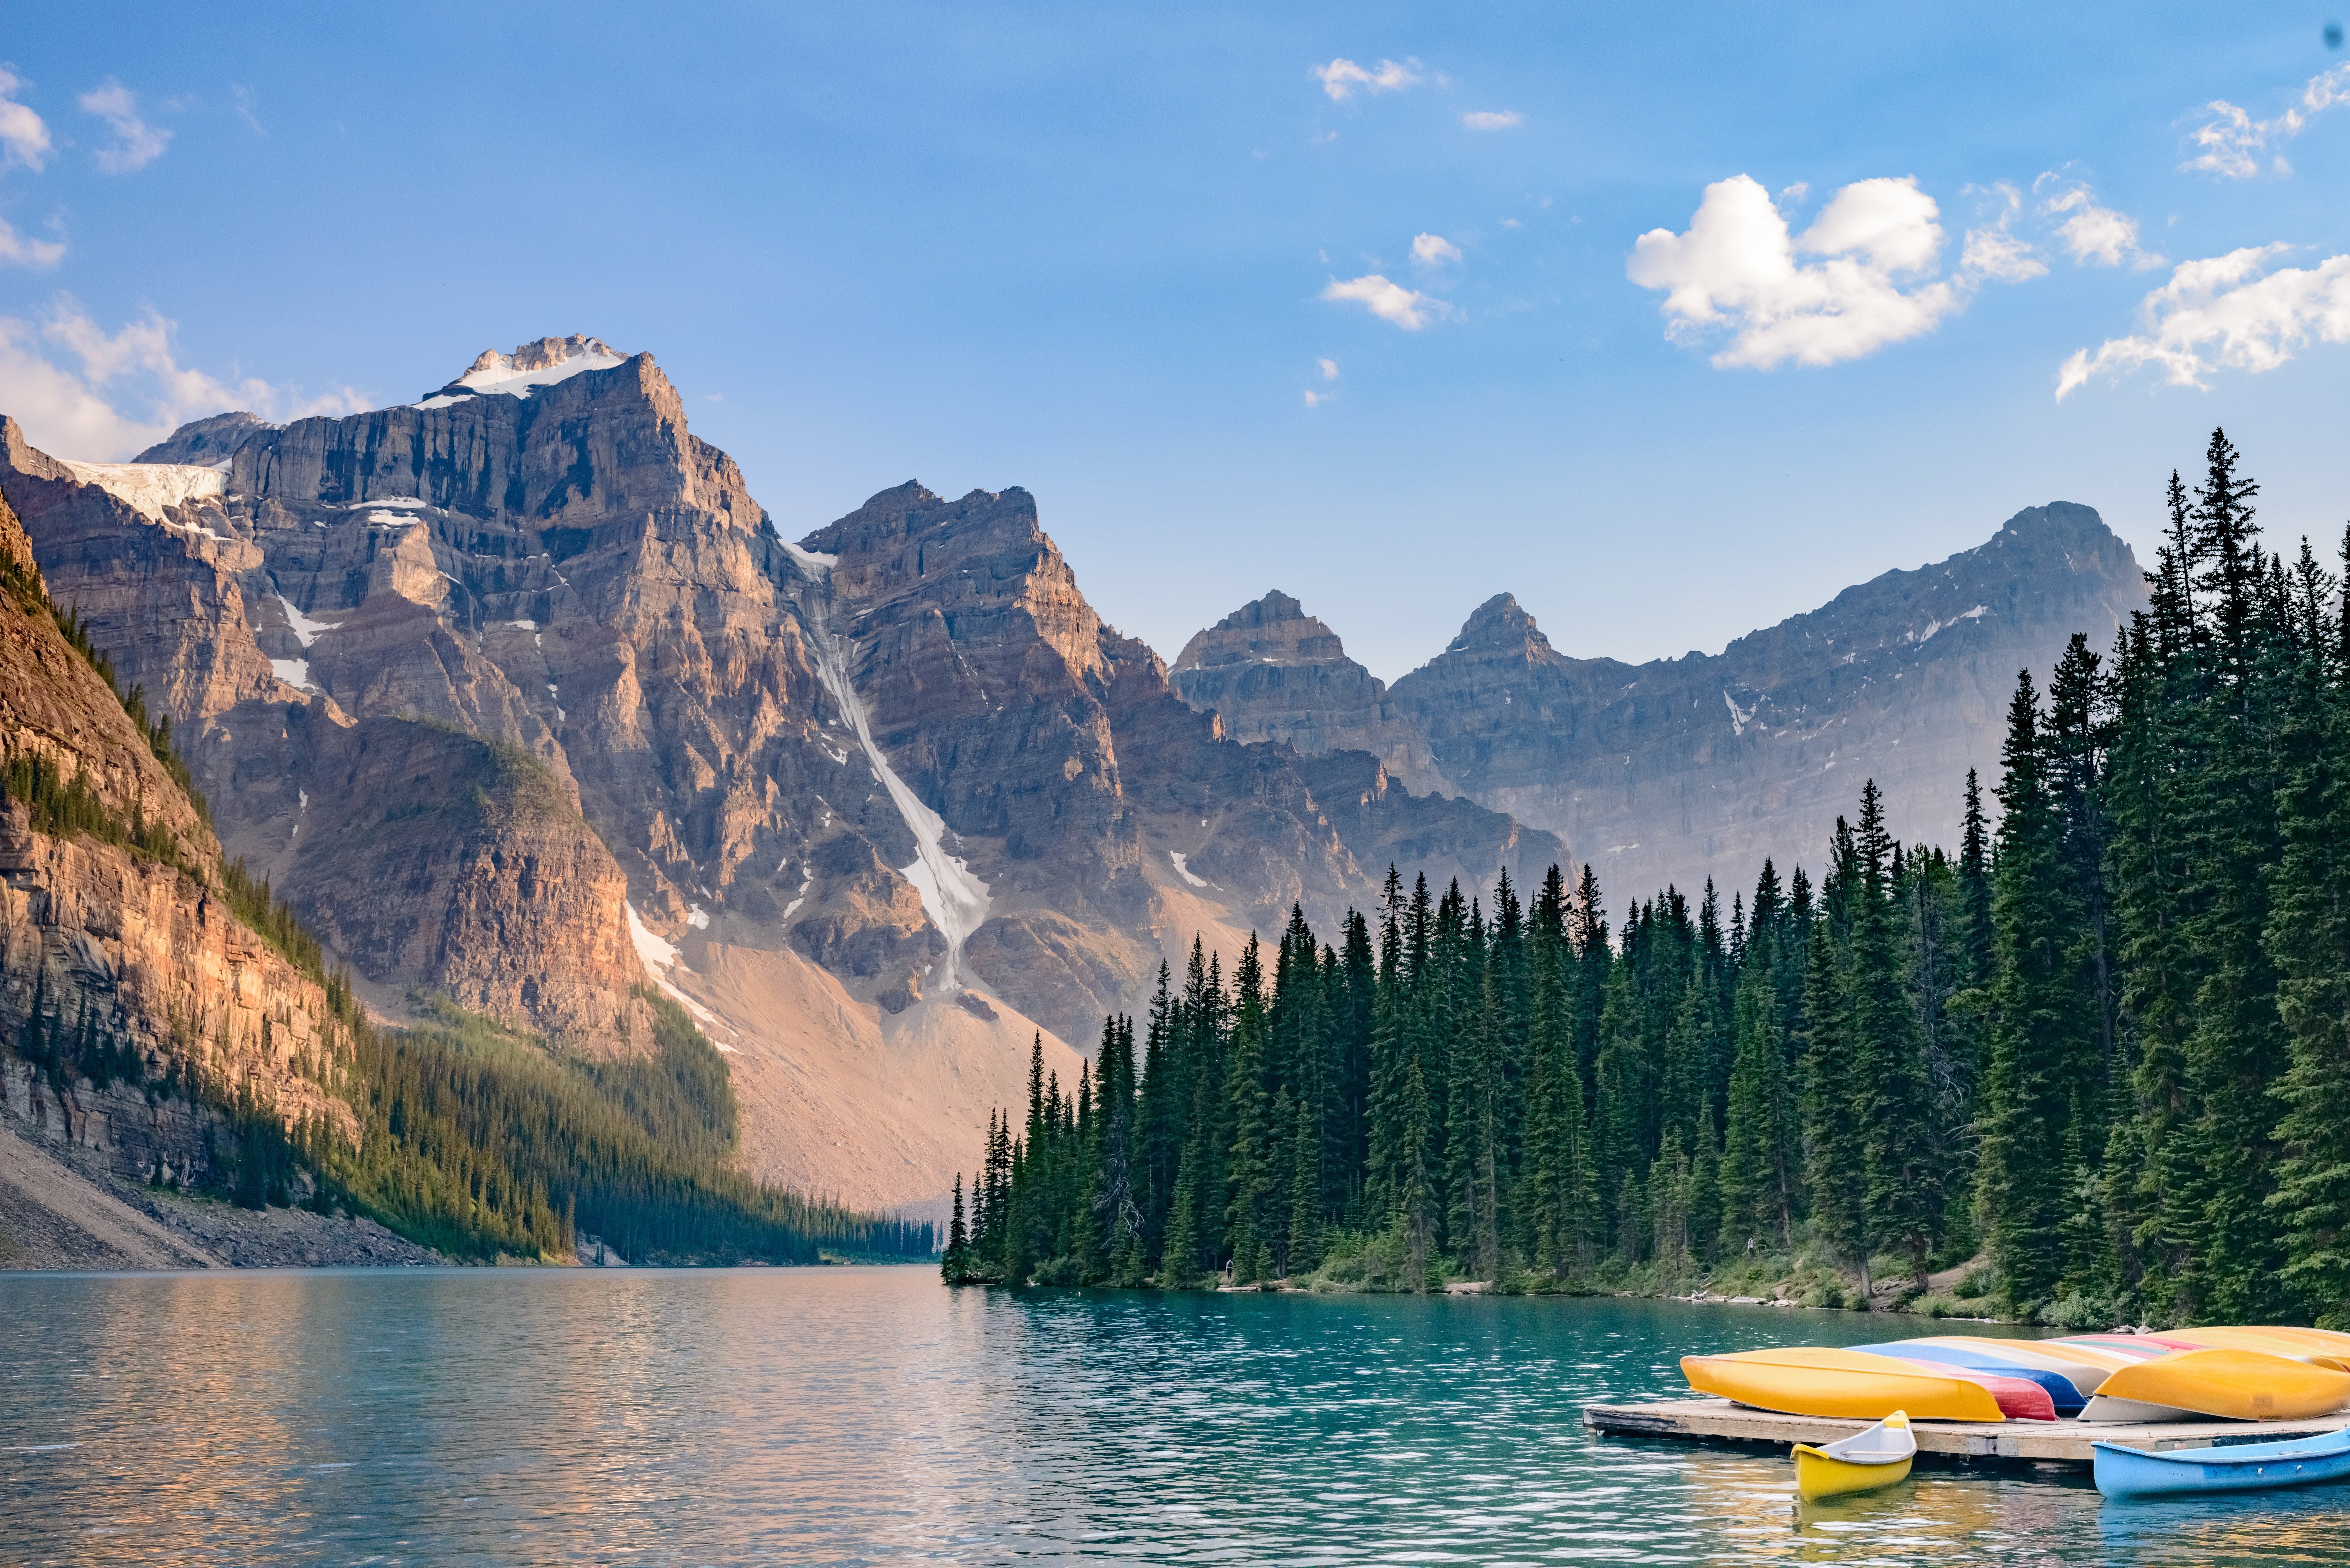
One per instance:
(2249,1467)
(1819,1475)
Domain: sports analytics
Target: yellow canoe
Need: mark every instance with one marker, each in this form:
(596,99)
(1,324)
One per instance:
(2237,1385)
(1865,1461)
(1809,1380)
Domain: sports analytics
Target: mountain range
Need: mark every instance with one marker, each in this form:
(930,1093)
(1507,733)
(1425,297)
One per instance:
(517,697)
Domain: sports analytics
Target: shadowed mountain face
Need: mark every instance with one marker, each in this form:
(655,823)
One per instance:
(517,697)
(1680,769)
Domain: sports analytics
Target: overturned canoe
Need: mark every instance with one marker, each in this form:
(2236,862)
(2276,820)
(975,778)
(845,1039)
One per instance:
(2319,1347)
(2238,1467)
(1811,1380)
(2237,1385)
(2087,1370)
(1863,1462)
(2064,1396)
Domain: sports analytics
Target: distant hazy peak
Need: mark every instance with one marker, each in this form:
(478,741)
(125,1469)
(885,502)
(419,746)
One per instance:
(1271,610)
(1500,625)
(2055,521)
(1275,629)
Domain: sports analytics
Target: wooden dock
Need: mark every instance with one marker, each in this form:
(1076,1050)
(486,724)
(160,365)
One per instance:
(1961,1442)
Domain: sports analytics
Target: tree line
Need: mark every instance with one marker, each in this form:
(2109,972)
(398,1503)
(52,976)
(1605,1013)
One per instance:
(2105,1044)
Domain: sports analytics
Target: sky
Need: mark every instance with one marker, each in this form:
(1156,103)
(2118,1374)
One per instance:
(1670,320)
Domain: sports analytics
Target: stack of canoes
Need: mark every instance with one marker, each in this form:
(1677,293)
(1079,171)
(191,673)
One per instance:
(2237,1373)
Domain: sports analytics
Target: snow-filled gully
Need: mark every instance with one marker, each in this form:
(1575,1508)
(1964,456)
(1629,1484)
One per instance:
(955,900)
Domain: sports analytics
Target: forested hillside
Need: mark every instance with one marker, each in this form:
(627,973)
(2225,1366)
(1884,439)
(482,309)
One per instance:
(2107,1043)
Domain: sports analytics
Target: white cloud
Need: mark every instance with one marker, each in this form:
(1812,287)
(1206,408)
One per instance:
(1315,399)
(136,143)
(1796,192)
(18,251)
(1739,270)
(1431,249)
(1341,77)
(23,138)
(2231,139)
(1995,253)
(1512,224)
(2229,313)
(1492,118)
(82,392)
(1408,309)
(1329,369)
(2094,236)
(240,98)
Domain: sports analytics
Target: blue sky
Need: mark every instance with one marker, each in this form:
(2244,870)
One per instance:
(1105,253)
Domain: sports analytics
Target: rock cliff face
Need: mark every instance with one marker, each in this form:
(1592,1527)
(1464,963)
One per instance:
(102,944)
(1669,772)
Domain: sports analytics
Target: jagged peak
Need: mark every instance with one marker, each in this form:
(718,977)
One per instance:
(569,356)
(1273,629)
(1500,623)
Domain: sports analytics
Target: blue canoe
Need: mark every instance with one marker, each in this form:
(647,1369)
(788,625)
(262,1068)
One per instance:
(2238,1467)
(2068,1399)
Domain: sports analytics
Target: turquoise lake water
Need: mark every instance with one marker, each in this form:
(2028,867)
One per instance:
(872,1416)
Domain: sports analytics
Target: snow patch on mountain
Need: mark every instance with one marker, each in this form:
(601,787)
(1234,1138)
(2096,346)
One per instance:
(306,630)
(955,899)
(530,366)
(152,488)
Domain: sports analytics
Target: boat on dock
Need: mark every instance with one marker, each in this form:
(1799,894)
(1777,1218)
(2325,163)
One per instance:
(1866,1461)
(2123,1472)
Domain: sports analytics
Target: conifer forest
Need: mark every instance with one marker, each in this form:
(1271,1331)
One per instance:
(2103,1042)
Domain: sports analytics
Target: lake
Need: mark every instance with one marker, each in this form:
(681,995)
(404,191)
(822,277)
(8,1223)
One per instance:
(438,1416)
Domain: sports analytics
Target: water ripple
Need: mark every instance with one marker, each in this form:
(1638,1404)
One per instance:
(870,1416)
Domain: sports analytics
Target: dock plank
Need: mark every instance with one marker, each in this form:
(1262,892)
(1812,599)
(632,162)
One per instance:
(2019,1442)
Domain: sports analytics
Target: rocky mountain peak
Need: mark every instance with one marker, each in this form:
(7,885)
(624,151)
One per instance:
(1275,629)
(1272,672)
(1500,626)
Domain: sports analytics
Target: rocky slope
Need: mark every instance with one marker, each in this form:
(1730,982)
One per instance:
(1669,772)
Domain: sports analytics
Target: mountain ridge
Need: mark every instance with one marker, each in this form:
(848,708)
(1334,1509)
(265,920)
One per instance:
(885,803)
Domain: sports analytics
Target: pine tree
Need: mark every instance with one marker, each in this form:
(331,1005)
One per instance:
(2035,1028)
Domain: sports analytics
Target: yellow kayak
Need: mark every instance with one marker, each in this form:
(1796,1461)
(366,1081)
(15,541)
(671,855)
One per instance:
(1865,1461)
(1808,1380)
(2236,1384)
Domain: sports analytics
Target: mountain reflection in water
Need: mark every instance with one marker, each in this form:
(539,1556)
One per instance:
(871,1415)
